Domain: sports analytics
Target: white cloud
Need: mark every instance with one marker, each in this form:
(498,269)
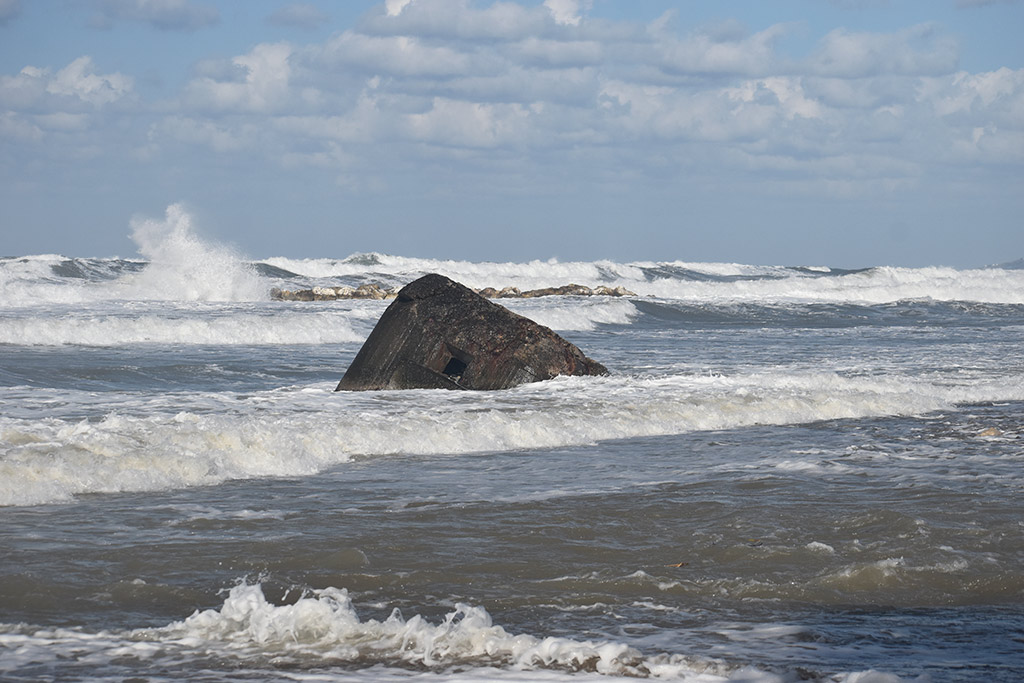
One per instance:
(400,55)
(556,53)
(470,124)
(989,144)
(330,156)
(167,15)
(915,51)
(861,93)
(555,86)
(24,89)
(299,14)
(395,7)
(1002,89)
(78,79)
(219,138)
(983,114)
(62,121)
(264,85)
(68,108)
(790,100)
(568,12)
(458,83)
(16,127)
(364,123)
(751,111)
(460,20)
(449,74)
(725,53)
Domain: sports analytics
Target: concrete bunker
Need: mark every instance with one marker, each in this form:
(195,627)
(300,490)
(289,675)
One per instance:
(439,334)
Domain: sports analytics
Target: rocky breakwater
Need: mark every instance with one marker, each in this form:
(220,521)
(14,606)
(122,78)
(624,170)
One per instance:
(369,291)
(439,334)
(374,291)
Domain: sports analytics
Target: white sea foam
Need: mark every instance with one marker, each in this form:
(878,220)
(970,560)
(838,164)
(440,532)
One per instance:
(323,628)
(182,327)
(244,324)
(29,281)
(531,275)
(728,282)
(819,547)
(180,266)
(575,315)
(33,267)
(175,440)
(874,286)
(183,267)
(193,513)
(334,323)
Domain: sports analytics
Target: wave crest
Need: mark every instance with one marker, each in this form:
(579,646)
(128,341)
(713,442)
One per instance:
(325,625)
(178,442)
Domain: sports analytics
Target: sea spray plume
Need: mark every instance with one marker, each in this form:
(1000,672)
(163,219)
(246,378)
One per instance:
(183,267)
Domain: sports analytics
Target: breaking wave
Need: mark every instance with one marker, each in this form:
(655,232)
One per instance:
(183,267)
(180,327)
(177,265)
(689,282)
(322,628)
(178,440)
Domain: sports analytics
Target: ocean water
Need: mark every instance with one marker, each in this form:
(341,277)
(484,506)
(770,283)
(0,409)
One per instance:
(792,473)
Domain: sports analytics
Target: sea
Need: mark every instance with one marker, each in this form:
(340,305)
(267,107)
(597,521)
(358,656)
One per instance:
(791,473)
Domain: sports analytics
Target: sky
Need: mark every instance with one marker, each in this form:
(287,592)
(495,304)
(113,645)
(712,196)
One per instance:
(846,133)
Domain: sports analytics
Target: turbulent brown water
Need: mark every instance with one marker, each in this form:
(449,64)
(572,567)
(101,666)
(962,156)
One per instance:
(788,476)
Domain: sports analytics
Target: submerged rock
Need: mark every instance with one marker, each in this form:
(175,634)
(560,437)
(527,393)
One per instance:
(438,334)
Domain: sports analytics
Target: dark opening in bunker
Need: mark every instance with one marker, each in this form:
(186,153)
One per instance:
(455,368)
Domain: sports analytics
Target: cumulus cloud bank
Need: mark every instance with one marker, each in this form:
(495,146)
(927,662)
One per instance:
(518,86)
(38,103)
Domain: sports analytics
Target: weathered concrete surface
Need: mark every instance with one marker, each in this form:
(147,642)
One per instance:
(438,334)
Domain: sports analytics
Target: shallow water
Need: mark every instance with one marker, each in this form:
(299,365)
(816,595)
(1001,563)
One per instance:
(781,480)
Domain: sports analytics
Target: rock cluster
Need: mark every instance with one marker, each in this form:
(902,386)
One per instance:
(372,291)
(369,291)
(564,290)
